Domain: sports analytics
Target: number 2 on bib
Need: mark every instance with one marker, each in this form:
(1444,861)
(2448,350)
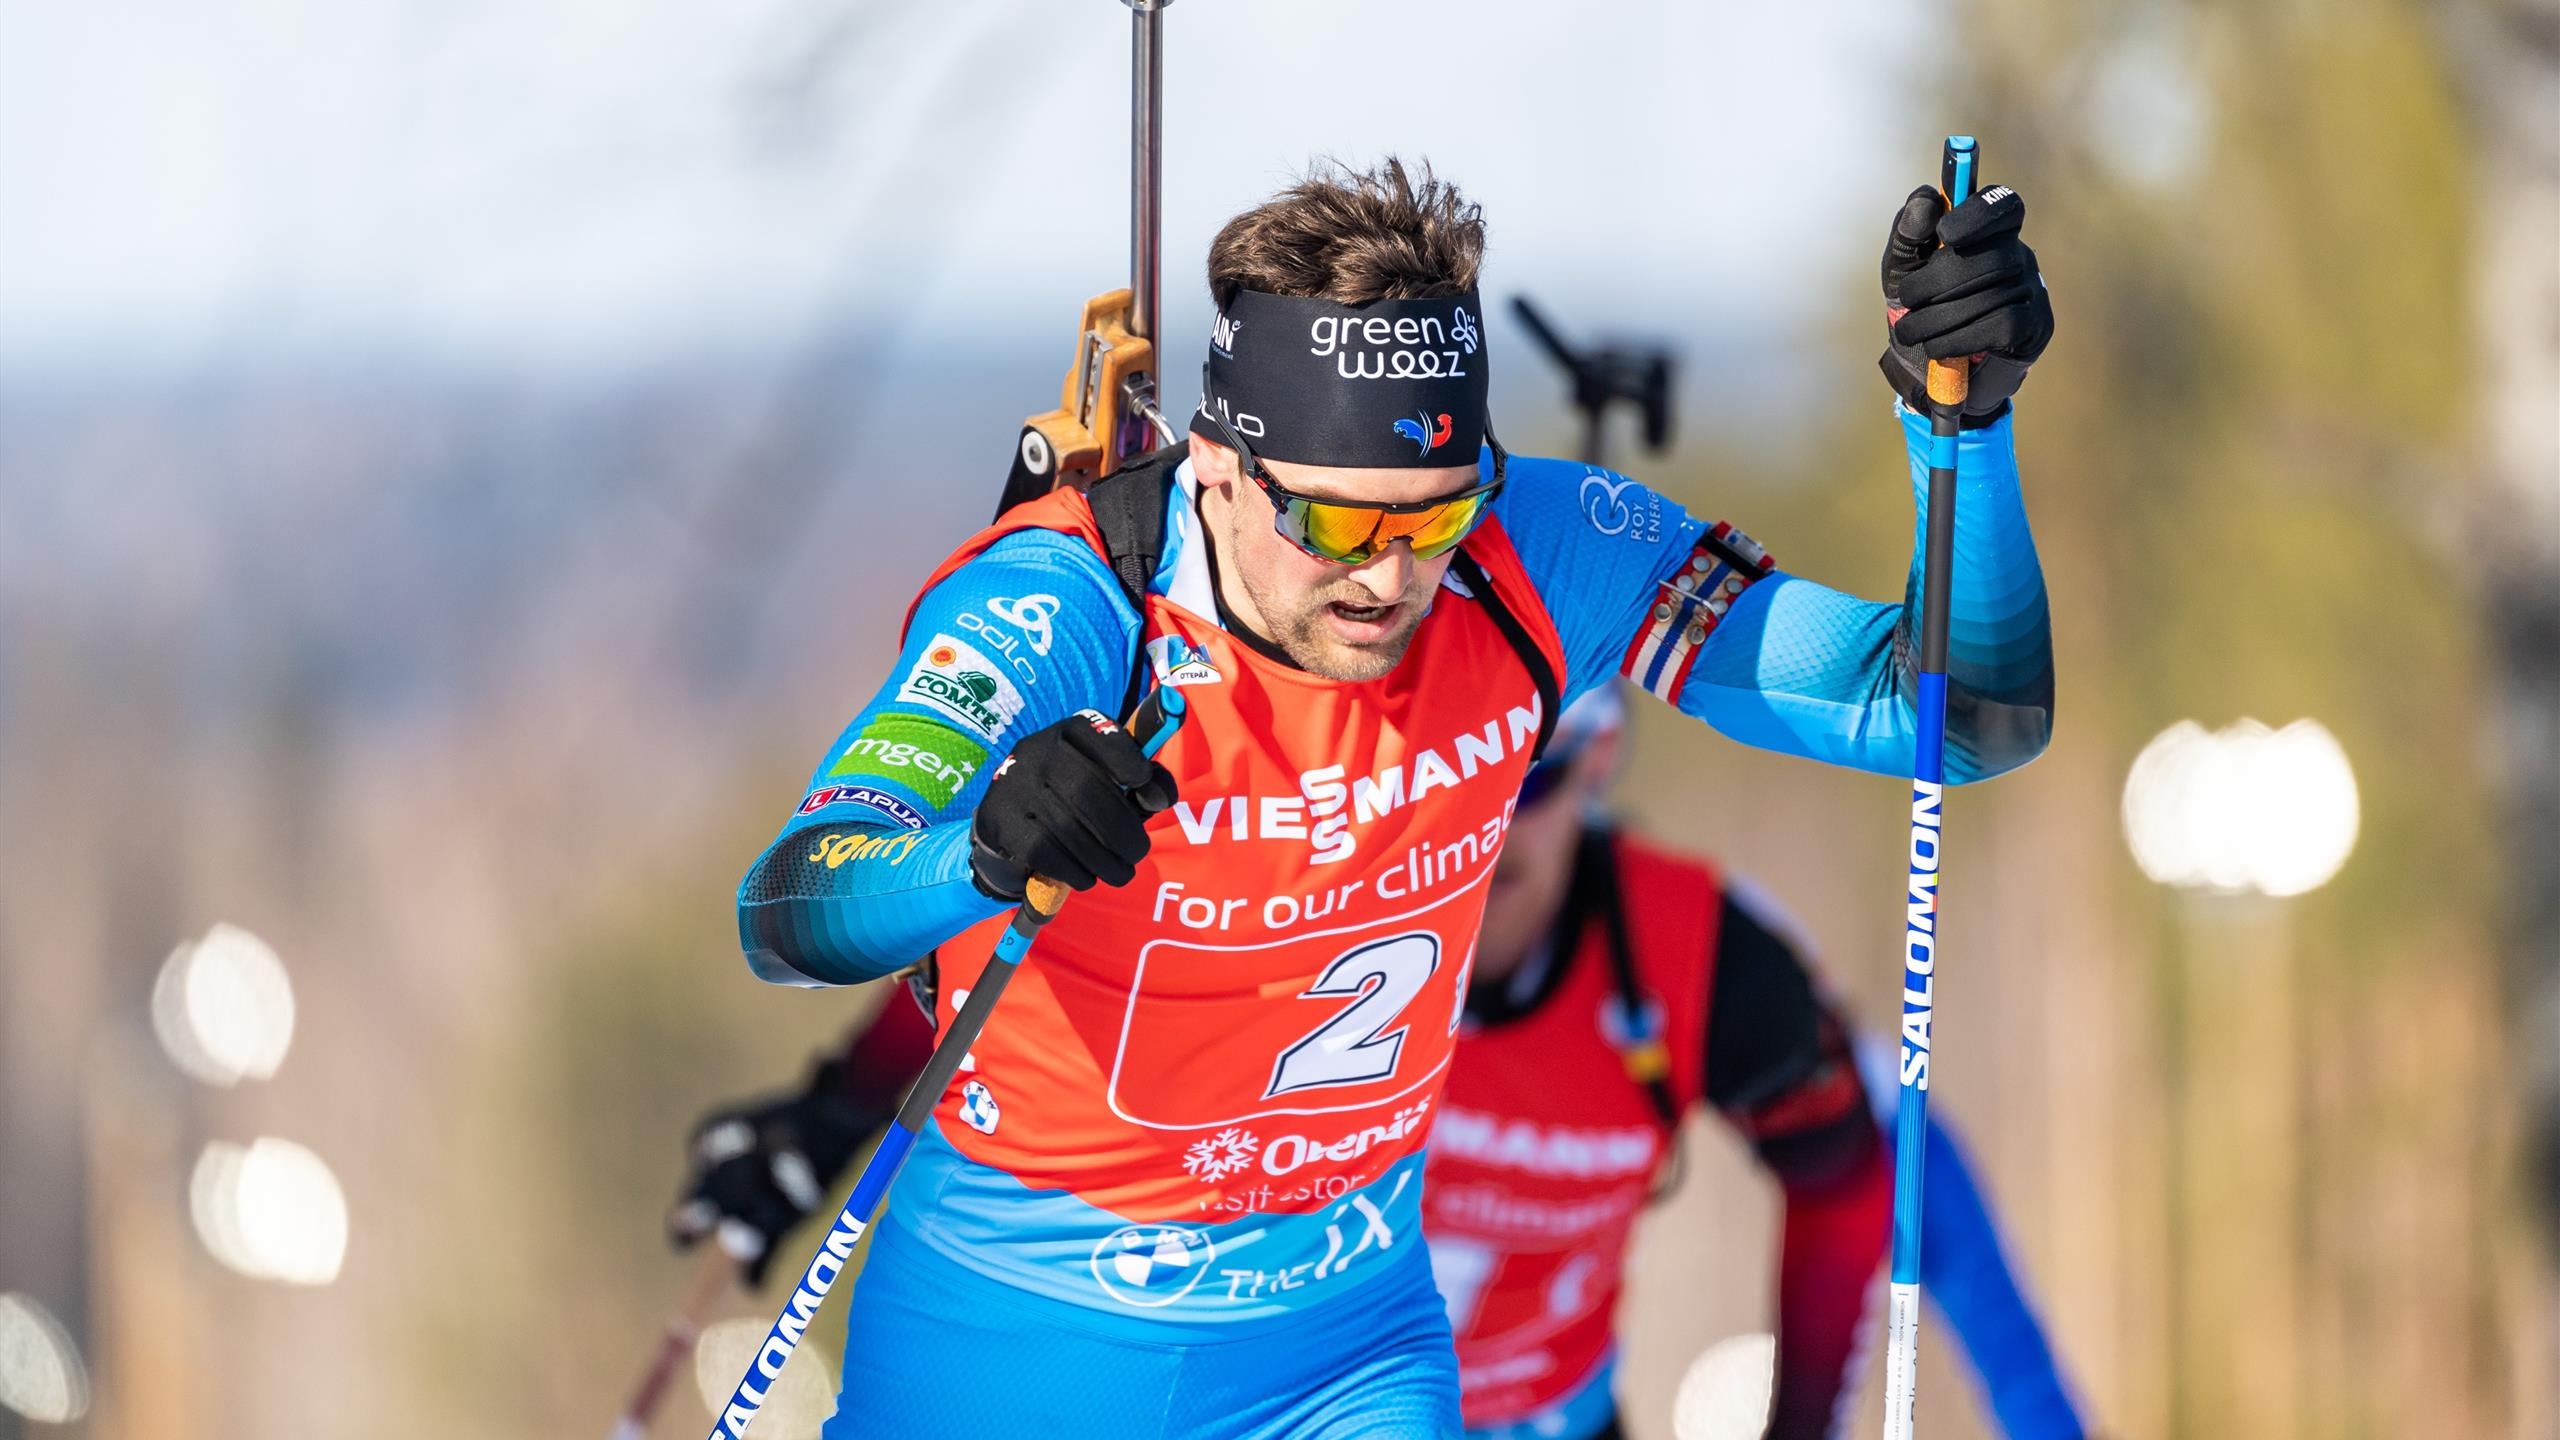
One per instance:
(1356,1045)
(1315,1025)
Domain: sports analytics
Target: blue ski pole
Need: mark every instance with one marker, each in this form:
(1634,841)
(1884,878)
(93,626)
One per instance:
(1948,380)
(1157,718)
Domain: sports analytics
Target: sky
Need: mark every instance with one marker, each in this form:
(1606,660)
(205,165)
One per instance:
(590,183)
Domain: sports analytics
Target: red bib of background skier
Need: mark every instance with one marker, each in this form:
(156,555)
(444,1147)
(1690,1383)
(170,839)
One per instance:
(1546,1151)
(1261,1021)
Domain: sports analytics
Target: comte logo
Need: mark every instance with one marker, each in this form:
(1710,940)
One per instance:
(954,680)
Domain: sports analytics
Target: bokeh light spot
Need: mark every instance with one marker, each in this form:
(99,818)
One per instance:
(2245,809)
(40,1372)
(1725,1392)
(223,1007)
(271,1210)
(800,1401)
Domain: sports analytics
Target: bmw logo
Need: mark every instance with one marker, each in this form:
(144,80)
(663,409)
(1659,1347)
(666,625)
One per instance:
(1152,1265)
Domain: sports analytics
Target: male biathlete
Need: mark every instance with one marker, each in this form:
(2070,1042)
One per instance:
(1374,616)
(1556,1128)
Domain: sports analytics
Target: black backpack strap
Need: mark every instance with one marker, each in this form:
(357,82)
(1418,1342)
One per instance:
(1543,675)
(1645,1053)
(1128,508)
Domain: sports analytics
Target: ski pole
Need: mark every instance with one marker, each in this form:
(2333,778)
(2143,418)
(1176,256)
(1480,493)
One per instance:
(1158,716)
(710,1281)
(1948,380)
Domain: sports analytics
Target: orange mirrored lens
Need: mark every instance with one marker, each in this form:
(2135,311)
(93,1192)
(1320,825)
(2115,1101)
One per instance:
(1349,534)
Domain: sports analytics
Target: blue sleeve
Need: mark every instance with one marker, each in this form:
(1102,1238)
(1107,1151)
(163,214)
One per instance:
(1595,544)
(872,869)
(1794,666)
(1966,1275)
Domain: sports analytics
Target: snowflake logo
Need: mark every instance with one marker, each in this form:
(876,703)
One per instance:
(1221,1155)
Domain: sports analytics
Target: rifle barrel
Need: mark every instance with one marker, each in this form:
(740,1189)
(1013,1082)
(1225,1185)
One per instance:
(1146,160)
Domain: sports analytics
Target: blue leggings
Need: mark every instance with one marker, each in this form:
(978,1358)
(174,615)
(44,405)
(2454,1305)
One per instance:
(935,1351)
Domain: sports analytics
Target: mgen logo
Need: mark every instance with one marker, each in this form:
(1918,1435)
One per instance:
(933,760)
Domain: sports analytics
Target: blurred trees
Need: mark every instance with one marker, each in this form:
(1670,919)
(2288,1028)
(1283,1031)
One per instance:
(2510,56)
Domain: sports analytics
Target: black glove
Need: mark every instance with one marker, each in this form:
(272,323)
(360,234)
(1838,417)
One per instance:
(758,1169)
(1961,283)
(1071,803)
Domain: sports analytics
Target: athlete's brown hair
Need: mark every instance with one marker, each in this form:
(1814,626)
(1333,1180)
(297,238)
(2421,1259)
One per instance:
(1353,236)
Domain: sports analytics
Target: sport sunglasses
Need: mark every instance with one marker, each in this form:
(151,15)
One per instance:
(1346,532)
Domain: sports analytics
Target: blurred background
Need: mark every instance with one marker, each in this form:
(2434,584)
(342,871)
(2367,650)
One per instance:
(460,463)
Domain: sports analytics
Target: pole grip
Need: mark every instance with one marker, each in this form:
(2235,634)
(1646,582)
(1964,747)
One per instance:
(1151,725)
(1950,380)
(1044,897)
(1156,718)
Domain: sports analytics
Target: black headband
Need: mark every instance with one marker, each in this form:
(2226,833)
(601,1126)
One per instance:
(1393,384)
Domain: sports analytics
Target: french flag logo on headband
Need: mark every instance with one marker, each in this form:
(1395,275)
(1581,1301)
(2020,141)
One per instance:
(1423,430)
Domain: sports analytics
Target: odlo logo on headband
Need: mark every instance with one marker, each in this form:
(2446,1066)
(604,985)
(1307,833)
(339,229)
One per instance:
(1425,430)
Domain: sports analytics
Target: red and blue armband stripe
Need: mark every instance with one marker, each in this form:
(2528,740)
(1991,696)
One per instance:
(1689,605)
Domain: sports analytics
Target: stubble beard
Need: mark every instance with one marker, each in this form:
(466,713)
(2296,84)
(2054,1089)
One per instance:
(1297,626)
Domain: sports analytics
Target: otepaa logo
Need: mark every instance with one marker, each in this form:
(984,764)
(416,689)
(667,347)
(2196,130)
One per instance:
(1425,430)
(1179,662)
(1152,1266)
